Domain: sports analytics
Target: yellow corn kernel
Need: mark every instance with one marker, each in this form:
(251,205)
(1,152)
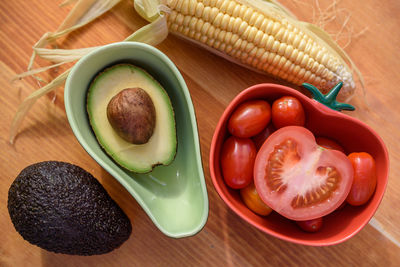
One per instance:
(251,37)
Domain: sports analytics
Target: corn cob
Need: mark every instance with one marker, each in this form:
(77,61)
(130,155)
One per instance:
(266,41)
(259,34)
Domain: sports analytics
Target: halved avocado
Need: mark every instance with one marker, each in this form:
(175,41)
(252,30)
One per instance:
(160,149)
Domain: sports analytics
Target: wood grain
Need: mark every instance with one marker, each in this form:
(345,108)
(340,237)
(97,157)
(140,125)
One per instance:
(226,240)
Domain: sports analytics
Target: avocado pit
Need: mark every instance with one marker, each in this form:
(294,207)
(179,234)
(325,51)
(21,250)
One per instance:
(132,115)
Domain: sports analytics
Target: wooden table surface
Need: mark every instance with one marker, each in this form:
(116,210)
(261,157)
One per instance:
(226,240)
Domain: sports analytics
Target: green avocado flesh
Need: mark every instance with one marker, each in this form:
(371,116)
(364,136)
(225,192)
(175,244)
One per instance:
(62,208)
(160,149)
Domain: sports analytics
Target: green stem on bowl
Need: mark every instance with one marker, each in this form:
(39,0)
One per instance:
(329,99)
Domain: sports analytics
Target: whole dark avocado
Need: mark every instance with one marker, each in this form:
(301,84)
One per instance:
(62,208)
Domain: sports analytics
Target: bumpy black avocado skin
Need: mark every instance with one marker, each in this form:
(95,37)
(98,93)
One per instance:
(62,208)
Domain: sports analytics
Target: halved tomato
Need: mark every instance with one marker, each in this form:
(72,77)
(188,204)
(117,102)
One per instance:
(299,179)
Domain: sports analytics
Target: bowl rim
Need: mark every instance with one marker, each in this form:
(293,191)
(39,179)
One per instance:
(212,161)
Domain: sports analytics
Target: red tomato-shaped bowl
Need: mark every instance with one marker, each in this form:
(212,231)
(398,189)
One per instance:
(351,133)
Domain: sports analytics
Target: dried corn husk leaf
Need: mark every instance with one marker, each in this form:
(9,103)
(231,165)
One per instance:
(83,13)
(152,34)
(30,100)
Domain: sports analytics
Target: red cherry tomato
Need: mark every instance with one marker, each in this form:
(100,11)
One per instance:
(329,144)
(311,226)
(249,118)
(253,201)
(364,182)
(260,138)
(287,111)
(237,161)
(299,179)
(342,206)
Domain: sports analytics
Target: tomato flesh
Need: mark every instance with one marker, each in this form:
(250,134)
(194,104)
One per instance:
(299,179)
(237,161)
(364,178)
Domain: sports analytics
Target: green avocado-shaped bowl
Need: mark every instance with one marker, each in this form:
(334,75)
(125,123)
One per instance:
(173,196)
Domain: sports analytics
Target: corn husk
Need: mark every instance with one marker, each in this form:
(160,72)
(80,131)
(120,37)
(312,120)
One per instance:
(86,11)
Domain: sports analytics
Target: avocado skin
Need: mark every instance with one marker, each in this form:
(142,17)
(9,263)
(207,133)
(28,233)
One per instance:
(62,208)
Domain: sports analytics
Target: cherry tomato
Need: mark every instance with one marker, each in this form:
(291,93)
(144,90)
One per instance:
(287,111)
(253,201)
(260,138)
(329,144)
(364,182)
(299,179)
(342,206)
(249,118)
(237,161)
(311,226)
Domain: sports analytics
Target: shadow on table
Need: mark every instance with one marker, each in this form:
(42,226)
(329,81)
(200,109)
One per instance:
(251,246)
